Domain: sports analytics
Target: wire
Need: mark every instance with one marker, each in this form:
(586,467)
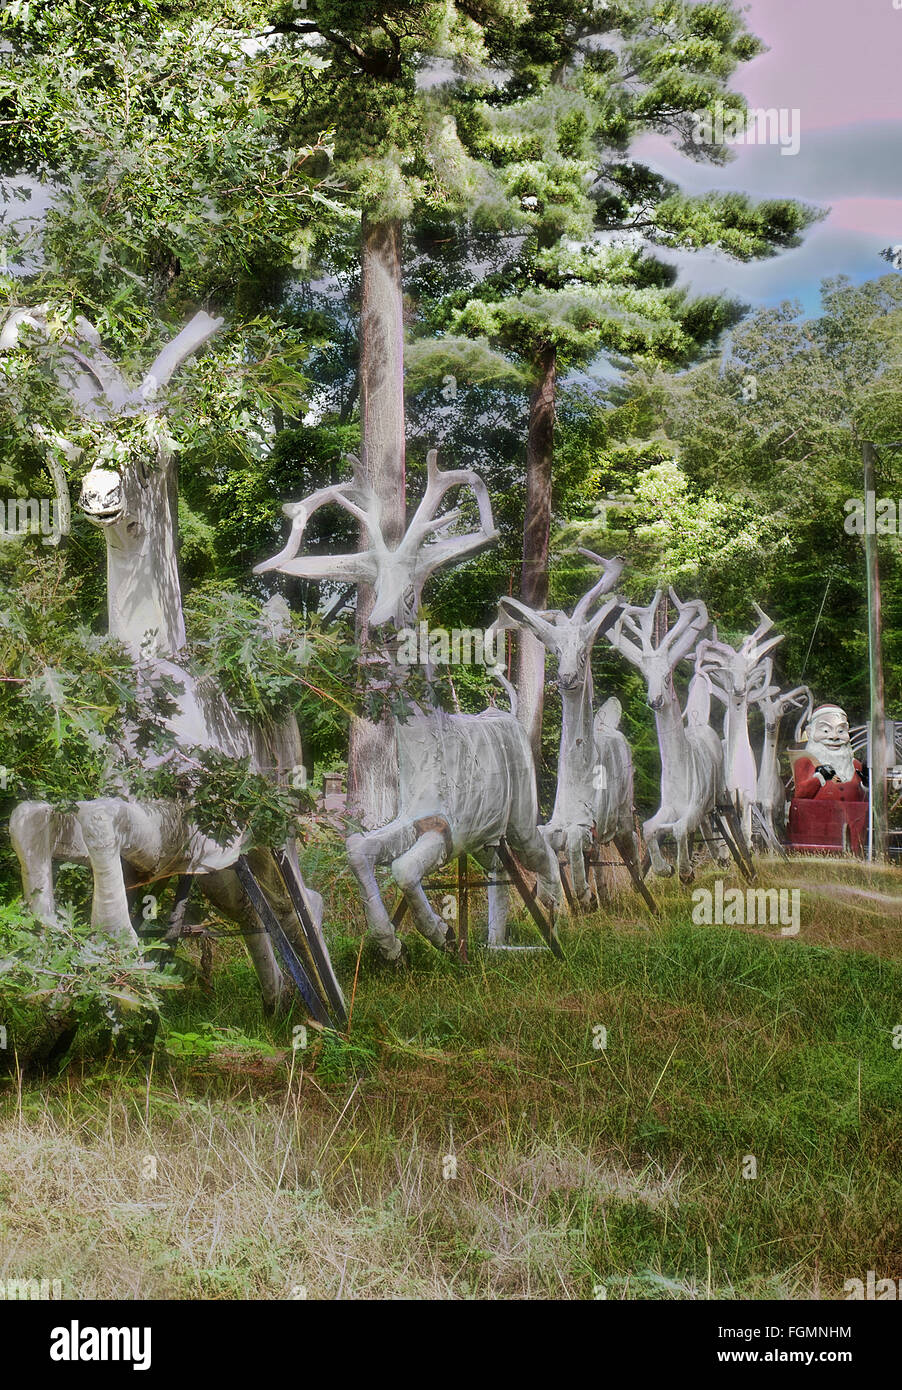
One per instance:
(814,629)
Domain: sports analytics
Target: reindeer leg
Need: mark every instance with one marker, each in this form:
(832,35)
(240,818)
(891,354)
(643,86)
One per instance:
(101,824)
(30,826)
(364,853)
(651,832)
(537,855)
(681,835)
(576,844)
(408,871)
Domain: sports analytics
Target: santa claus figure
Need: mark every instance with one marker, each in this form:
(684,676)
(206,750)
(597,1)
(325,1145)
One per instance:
(828,770)
(828,775)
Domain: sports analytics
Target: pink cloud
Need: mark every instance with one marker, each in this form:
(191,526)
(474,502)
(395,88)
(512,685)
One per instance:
(838,61)
(880,217)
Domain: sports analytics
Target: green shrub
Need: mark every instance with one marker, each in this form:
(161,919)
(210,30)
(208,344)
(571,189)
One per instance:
(63,980)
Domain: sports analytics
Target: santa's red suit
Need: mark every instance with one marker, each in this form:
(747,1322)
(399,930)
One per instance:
(826,815)
(808,785)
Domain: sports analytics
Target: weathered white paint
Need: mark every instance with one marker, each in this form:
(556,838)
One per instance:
(739,677)
(691,752)
(595,766)
(770,792)
(464,780)
(136,506)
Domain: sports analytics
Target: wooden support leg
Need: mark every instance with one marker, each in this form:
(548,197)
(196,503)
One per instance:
(529,898)
(568,891)
(734,820)
(327,980)
(730,844)
(273,926)
(636,874)
(179,907)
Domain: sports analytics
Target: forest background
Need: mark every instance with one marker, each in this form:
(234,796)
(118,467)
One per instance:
(258,161)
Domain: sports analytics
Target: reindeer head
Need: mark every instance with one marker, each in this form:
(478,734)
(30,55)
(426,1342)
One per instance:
(127,483)
(739,675)
(570,639)
(130,487)
(633,635)
(397,576)
(774,706)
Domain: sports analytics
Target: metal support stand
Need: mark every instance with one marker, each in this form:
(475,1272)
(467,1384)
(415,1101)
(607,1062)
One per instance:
(463,908)
(734,839)
(285,950)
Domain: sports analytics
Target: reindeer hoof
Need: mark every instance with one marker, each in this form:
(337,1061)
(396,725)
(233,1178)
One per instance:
(449,945)
(397,965)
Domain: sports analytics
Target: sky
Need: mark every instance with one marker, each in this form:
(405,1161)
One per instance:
(838,63)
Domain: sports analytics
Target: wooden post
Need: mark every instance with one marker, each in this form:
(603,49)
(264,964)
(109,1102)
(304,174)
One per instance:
(463,907)
(875,660)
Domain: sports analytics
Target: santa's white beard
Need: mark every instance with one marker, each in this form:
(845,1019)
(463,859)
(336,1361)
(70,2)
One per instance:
(842,760)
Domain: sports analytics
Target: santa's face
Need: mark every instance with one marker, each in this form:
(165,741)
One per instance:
(830,729)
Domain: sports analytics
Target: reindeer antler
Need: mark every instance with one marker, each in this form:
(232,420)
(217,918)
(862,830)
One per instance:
(96,384)
(692,619)
(422,556)
(512,613)
(752,647)
(640,623)
(398,575)
(96,380)
(545,624)
(774,704)
(166,363)
(611,571)
(360,566)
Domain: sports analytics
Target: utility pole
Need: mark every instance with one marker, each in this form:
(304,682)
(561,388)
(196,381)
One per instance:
(875,659)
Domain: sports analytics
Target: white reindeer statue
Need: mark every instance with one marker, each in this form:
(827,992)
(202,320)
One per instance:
(771,792)
(739,677)
(465,781)
(595,766)
(691,752)
(135,505)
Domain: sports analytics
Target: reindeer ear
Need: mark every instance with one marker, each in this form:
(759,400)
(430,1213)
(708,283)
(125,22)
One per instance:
(607,720)
(523,616)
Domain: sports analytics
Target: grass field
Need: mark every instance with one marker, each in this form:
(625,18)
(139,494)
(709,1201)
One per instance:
(470,1139)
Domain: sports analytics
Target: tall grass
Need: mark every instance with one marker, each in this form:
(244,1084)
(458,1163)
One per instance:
(470,1138)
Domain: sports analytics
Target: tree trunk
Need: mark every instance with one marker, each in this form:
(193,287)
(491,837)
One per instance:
(536,534)
(372,757)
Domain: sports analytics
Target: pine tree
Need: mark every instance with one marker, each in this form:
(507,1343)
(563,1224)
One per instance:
(582,82)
